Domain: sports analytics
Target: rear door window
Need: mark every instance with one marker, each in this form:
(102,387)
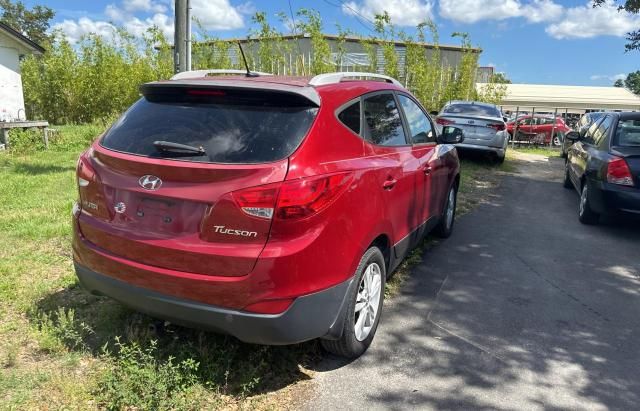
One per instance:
(589,135)
(257,129)
(383,125)
(600,134)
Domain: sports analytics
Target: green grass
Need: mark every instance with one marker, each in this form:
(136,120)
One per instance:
(63,349)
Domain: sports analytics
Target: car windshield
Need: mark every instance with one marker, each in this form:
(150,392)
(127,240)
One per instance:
(469,109)
(226,133)
(628,133)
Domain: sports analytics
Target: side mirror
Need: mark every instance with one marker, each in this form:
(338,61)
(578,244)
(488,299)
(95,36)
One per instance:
(451,135)
(573,136)
(505,119)
(434,113)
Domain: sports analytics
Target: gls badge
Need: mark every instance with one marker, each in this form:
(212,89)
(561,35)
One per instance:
(150,182)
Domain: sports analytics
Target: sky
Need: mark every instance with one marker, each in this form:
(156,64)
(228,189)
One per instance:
(531,41)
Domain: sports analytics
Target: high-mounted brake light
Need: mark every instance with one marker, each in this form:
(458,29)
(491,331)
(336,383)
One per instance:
(444,121)
(206,92)
(618,172)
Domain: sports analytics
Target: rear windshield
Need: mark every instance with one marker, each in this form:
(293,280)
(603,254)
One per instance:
(628,133)
(239,132)
(472,110)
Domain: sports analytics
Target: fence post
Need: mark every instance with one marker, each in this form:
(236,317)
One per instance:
(553,129)
(515,128)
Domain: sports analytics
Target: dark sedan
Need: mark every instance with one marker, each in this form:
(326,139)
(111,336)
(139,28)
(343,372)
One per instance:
(603,165)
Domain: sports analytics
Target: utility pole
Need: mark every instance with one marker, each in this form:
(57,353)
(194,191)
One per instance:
(182,36)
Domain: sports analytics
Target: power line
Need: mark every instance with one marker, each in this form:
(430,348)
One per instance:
(356,13)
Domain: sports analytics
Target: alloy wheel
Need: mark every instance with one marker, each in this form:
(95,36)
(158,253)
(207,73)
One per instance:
(367,301)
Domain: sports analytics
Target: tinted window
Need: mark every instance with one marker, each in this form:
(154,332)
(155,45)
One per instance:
(419,124)
(350,117)
(472,110)
(229,133)
(382,121)
(628,133)
(600,133)
(588,137)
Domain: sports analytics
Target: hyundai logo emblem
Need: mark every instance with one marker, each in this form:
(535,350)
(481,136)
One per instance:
(150,182)
(120,208)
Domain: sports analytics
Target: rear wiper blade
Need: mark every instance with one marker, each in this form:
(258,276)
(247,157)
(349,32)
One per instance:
(177,147)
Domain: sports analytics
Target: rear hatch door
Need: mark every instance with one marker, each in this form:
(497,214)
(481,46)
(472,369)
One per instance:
(154,202)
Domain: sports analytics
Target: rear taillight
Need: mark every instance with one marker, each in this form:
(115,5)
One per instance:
(292,199)
(258,201)
(618,172)
(307,196)
(444,121)
(497,126)
(84,171)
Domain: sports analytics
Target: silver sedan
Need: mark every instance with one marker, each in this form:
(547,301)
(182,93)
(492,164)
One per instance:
(482,123)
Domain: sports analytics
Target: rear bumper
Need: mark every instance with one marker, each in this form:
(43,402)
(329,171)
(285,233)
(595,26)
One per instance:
(465,146)
(311,316)
(610,198)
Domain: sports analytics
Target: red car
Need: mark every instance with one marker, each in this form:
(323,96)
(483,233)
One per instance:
(538,128)
(269,208)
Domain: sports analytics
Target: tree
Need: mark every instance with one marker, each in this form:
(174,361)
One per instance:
(632,82)
(630,6)
(32,23)
(618,83)
(500,78)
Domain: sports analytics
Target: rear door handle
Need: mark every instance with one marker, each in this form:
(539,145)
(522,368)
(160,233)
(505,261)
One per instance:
(389,184)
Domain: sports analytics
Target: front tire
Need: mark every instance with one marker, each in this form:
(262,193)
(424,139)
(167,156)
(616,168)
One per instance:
(445,226)
(585,214)
(364,309)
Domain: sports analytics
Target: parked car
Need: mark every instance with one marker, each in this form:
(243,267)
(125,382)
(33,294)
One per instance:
(603,165)
(269,208)
(586,120)
(538,128)
(482,124)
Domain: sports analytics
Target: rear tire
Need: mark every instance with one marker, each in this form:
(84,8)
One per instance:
(445,226)
(585,214)
(364,309)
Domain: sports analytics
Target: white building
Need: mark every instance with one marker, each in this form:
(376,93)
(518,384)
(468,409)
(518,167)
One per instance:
(13,46)
(573,99)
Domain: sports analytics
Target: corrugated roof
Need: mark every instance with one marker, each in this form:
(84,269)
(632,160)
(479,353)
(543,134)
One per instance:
(580,97)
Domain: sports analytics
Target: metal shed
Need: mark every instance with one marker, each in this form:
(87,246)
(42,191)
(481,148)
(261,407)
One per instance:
(574,99)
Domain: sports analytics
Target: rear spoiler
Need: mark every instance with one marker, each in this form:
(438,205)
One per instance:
(294,92)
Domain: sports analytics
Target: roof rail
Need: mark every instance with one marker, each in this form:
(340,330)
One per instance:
(332,78)
(204,73)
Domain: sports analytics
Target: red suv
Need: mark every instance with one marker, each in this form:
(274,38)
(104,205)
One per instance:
(269,208)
